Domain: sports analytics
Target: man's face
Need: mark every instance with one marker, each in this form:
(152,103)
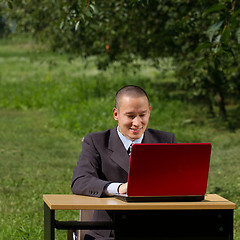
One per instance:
(132,115)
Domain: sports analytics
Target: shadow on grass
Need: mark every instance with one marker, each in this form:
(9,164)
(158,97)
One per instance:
(233,119)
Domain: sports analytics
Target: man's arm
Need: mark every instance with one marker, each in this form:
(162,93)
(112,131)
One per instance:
(87,178)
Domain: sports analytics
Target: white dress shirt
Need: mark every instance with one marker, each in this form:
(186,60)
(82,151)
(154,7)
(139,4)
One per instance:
(112,188)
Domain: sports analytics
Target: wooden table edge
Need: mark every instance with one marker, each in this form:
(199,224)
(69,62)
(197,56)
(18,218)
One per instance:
(120,205)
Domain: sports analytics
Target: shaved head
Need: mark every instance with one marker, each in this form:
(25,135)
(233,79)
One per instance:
(129,91)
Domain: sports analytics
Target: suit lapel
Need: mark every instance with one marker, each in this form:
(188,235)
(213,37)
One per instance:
(147,137)
(119,154)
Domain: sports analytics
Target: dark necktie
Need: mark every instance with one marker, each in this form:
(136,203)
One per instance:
(129,149)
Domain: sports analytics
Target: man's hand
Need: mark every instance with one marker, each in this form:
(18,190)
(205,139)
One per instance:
(123,188)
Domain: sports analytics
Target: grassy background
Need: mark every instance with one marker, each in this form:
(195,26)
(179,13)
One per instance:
(48,102)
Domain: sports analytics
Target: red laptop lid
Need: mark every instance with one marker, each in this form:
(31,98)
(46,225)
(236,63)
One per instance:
(179,169)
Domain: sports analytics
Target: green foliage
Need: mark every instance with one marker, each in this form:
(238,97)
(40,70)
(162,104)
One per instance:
(201,36)
(214,72)
(4,27)
(50,22)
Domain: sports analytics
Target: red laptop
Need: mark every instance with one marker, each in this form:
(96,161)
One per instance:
(168,172)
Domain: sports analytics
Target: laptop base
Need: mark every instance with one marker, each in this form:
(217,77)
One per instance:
(160,198)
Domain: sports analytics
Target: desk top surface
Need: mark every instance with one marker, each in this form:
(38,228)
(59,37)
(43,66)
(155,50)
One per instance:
(77,202)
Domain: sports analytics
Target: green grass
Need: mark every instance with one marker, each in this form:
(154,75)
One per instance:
(48,102)
(35,158)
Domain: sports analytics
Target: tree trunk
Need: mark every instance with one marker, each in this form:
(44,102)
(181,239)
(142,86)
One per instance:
(221,104)
(210,107)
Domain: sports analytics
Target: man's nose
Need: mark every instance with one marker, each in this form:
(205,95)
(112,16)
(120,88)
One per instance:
(137,121)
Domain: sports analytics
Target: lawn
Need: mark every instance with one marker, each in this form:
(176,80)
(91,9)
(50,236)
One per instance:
(35,158)
(48,102)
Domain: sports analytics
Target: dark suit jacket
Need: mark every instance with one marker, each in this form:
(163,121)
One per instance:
(104,160)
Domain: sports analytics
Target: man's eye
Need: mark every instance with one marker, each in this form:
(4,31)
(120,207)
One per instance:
(131,116)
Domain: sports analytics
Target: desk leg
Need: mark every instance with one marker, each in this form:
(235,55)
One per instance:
(49,223)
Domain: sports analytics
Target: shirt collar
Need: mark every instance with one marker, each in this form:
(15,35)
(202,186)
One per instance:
(127,142)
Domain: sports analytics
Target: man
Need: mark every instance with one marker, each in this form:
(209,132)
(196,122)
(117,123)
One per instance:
(102,169)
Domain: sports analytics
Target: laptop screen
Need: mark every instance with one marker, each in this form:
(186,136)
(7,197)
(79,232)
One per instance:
(179,169)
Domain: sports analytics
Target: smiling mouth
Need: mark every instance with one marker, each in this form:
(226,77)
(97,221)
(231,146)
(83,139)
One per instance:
(136,130)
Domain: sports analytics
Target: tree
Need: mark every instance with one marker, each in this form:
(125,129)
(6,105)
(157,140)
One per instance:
(213,70)
(203,37)
(4,28)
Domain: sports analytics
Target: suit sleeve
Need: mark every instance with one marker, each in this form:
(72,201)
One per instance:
(87,177)
(174,138)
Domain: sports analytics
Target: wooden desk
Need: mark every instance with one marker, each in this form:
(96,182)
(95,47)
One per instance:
(208,219)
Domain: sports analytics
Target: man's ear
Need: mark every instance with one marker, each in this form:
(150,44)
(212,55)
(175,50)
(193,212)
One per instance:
(150,109)
(115,114)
